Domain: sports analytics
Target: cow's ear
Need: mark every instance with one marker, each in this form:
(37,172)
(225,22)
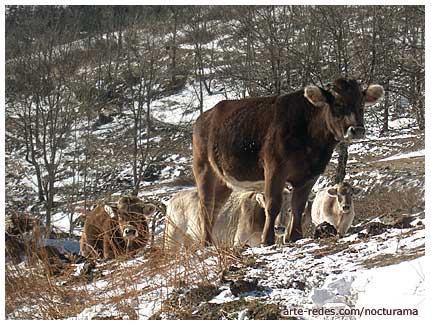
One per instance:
(373,93)
(356,190)
(332,192)
(315,96)
(260,199)
(108,209)
(148,209)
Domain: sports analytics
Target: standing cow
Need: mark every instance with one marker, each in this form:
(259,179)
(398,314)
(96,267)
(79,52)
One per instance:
(335,206)
(263,143)
(240,222)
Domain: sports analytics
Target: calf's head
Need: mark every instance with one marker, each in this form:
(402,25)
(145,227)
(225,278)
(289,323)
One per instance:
(131,216)
(343,192)
(342,106)
(282,221)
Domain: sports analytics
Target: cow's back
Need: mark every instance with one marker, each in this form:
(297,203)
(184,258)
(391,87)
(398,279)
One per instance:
(251,220)
(239,222)
(181,219)
(231,136)
(91,242)
(95,221)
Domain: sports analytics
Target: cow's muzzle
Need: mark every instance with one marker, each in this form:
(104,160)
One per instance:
(354,133)
(279,230)
(346,208)
(130,232)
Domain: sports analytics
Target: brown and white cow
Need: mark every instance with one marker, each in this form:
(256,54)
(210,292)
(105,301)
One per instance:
(112,231)
(240,221)
(265,143)
(335,206)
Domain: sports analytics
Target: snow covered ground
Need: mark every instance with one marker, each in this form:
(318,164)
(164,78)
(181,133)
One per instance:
(376,271)
(355,277)
(405,155)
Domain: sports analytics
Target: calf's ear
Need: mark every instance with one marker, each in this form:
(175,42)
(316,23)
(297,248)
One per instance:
(148,209)
(260,199)
(373,93)
(315,96)
(332,192)
(109,210)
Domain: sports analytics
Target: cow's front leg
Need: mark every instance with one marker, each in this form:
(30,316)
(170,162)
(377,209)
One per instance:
(299,199)
(274,185)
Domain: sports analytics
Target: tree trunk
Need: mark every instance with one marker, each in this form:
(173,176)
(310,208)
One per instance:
(174,49)
(385,126)
(342,162)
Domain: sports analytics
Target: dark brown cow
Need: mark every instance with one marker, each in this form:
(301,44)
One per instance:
(115,231)
(263,143)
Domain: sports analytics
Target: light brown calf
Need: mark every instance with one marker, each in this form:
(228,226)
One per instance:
(335,206)
(240,221)
(111,231)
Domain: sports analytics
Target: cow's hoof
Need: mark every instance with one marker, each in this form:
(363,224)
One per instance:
(267,243)
(295,237)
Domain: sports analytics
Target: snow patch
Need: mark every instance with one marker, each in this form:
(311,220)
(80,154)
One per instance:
(404,155)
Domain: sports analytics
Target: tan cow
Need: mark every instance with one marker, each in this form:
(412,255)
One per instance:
(112,231)
(335,206)
(240,222)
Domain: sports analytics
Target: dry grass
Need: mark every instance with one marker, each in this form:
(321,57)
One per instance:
(389,204)
(391,259)
(33,291)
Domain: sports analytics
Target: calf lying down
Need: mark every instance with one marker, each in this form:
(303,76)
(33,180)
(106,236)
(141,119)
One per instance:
(334,205)
(240,221)
(112,231)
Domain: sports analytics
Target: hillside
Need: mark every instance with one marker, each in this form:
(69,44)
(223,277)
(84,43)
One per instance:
(117,105)
(388,236)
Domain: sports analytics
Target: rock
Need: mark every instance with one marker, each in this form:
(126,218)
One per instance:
(152,172)
(324,230)
(403,223)
(299,285)
(376,228)
(242,286)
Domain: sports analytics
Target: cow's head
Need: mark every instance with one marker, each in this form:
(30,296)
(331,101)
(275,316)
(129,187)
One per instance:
(344,193)
(282,220)
(343,106)
(131,214)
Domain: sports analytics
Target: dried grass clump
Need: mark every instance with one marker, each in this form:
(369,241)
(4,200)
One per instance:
(119,285)
(392,203)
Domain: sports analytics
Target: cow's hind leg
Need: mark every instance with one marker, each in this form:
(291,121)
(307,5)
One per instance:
(213,194)
(221,195)
(274,186)
(205,179)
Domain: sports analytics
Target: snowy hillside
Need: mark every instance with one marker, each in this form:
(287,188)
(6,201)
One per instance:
(353,272)
(128,89)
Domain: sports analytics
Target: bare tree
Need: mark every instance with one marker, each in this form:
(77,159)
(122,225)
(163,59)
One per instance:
(143,75)
(46,107)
